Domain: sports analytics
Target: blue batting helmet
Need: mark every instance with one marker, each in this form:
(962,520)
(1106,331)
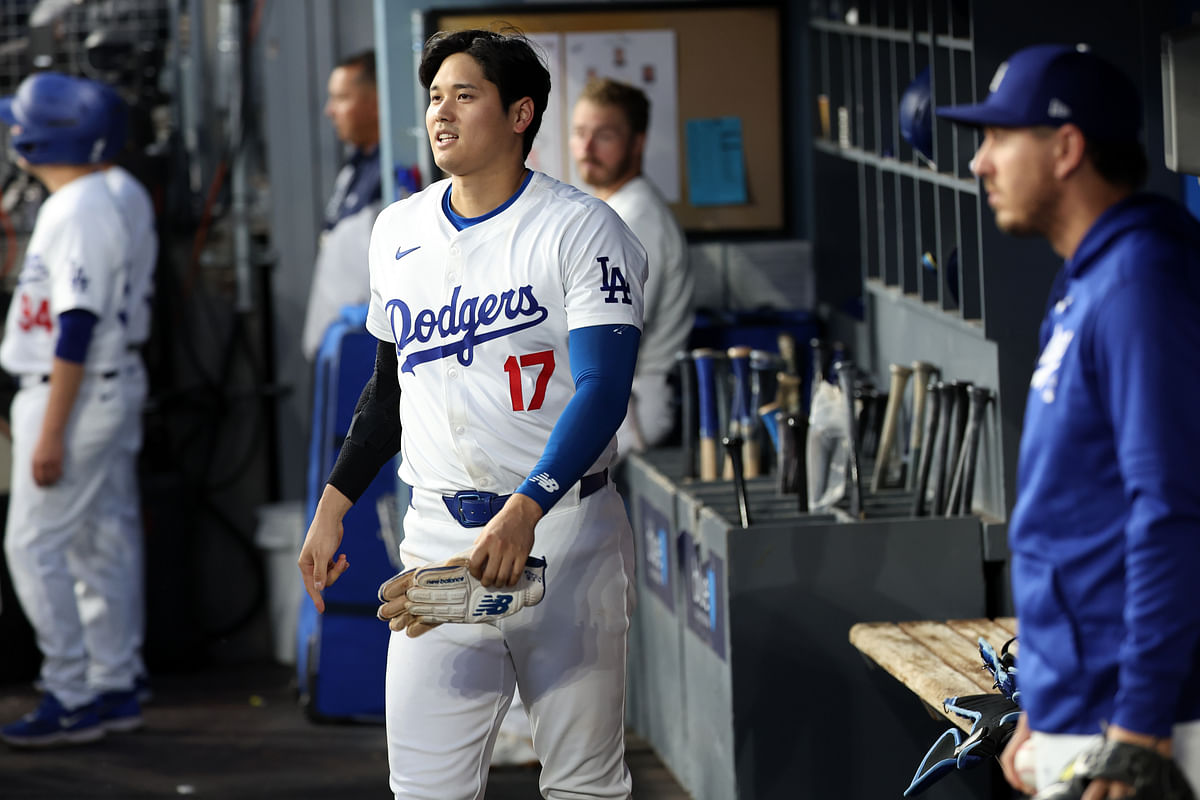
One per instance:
(118,119)
(916,115)
(58,119)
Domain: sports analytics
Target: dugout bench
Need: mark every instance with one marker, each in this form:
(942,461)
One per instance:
(933,659)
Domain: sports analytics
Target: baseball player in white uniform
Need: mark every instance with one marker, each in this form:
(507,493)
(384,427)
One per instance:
(65,340)
(608,140)
(509,305)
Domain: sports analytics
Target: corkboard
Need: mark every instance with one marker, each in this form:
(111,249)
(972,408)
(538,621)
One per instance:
(729,65)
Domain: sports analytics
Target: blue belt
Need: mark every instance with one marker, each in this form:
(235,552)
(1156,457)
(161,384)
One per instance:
(473,509)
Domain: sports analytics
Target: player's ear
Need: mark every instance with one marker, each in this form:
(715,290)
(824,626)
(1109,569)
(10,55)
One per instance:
(521,113)
(1068,148)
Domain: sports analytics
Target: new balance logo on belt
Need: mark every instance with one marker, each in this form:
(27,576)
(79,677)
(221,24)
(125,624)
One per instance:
(493,604)
(546,482)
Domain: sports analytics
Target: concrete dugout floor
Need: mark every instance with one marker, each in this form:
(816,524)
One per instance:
(237,732)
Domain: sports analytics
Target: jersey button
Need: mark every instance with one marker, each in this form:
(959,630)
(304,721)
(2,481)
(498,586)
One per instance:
(451,277)
(485,481)
(452,373)
(460,430)
(453,251)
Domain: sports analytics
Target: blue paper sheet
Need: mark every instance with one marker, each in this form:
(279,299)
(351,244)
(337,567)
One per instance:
(715,162)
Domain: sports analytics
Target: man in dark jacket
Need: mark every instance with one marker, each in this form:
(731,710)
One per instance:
(1105,535)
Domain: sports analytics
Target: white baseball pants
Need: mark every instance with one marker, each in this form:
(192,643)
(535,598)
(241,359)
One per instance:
(1053,752)
(119,524)
(447,691)
(51,542)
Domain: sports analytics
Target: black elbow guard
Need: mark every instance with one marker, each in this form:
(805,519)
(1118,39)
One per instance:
(374,435)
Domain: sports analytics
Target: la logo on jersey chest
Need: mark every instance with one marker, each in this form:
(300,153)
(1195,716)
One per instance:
(461,324)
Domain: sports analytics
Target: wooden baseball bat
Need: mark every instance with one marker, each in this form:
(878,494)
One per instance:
(687,411)
(954,440)
(935,494)
(787,351)
(787,393)
(891,421)
(706,396)
(980,399)
(959,501)
(922,371)
(933,403)
(741,412)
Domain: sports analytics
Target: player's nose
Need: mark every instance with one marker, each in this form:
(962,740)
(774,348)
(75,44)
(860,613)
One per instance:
(981,163)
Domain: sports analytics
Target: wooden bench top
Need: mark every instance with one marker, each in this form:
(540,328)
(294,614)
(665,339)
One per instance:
(935,660)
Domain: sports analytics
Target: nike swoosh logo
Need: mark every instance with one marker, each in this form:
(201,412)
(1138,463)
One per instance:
(402,253)
(71,721)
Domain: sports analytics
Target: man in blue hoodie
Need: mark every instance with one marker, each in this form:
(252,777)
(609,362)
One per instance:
(1105,535)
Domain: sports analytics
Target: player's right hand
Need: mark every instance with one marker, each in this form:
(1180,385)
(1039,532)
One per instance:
(318,568)
(1008,758)
(48,456)
(498,556)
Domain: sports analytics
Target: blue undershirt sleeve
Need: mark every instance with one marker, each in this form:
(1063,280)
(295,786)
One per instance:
(74,334)
(603,358)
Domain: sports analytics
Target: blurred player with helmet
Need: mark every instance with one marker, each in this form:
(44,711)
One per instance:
(65,340)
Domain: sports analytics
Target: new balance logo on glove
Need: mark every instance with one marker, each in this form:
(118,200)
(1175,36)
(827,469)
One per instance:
(422,598)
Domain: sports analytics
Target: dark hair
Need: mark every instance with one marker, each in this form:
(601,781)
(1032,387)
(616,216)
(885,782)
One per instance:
(630,99)
(364,61)
(507,60)
(1121,163)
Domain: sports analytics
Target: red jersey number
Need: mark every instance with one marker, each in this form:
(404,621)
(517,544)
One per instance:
(35,318)
(513,366)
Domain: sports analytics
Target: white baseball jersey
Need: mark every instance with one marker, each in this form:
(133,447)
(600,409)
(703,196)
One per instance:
(76,259)
(481,320)
(137,212)
(340,275)
(670,285)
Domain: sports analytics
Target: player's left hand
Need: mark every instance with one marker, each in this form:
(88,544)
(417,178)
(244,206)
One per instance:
(500,550)
(48,457)
(1101,789)
(421,598)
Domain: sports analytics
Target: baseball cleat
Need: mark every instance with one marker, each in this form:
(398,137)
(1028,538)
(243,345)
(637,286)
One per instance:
(52,724)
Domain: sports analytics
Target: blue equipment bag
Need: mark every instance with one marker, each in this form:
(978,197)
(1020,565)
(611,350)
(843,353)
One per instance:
(341,655)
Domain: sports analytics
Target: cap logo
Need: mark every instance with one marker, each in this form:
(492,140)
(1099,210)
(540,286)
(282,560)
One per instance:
(1058,109)
(999,76)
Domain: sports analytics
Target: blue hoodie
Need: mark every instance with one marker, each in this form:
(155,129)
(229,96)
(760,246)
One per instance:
(1105,534)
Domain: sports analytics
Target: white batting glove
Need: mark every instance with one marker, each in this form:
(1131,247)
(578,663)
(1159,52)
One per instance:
(420,599)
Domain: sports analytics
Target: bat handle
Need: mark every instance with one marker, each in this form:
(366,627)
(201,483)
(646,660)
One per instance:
(733,447)
(922,370)
(954,443)
(979,400)
(797,432)
(891,420)
(933,402)
(787,351)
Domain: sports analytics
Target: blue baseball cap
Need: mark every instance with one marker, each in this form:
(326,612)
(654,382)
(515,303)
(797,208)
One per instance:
(1054,84)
